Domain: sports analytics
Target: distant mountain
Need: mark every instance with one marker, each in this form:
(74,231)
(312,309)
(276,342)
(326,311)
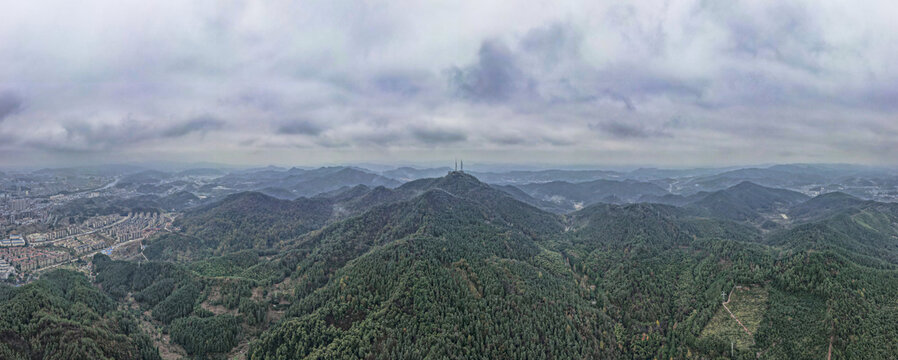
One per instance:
(100,170)
(204,172)
(408,173)
(345,193)
(747,201)
(318,181)
(825,205)
(302,182)
(522,196)
(672,199)
(654,173)
(792,176)
(83,208)
(526,177)
(861,230)
(279,193)
(151,177)
(269,168)
(179,201)
(578,195)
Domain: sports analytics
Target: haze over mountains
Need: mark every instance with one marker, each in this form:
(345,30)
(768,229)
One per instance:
(565,189)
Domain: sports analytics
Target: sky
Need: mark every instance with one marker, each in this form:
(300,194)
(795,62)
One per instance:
(666,83)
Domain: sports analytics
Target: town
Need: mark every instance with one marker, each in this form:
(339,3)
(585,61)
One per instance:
(51,218)
(22,256)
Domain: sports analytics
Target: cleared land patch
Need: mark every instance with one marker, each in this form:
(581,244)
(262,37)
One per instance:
(747,304)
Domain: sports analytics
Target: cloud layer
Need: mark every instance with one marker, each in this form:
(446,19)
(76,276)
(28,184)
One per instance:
(286,82)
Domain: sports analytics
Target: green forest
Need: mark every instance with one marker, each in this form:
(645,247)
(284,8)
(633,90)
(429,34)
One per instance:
(454,268)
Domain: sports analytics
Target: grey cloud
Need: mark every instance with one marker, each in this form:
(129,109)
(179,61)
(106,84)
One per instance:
(494,78)
(784,32)
(553,44)
(259,99)
(625,130)
(722,72)
(435,136)
(10,104)
(628,103)
(883,97)
(546,67)
(638,81)
(557,141)
(89,137)
(200,124)
(401,83)
(300,127)
(507,139)
(376,137)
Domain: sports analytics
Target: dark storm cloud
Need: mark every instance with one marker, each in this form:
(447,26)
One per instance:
(10,103)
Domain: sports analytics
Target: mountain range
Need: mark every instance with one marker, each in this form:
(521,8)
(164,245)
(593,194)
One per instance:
(452,266)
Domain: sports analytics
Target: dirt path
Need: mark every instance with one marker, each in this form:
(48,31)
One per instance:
(829,354)
(730,297)
(737,320)
(832,336)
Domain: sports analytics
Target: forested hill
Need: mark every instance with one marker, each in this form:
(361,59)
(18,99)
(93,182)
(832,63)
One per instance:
(439,275)
(825,205)
(747,201)
(240,221)
(253,220)
(451,267)
(63,316)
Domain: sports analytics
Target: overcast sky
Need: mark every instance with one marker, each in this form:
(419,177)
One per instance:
(670,83)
